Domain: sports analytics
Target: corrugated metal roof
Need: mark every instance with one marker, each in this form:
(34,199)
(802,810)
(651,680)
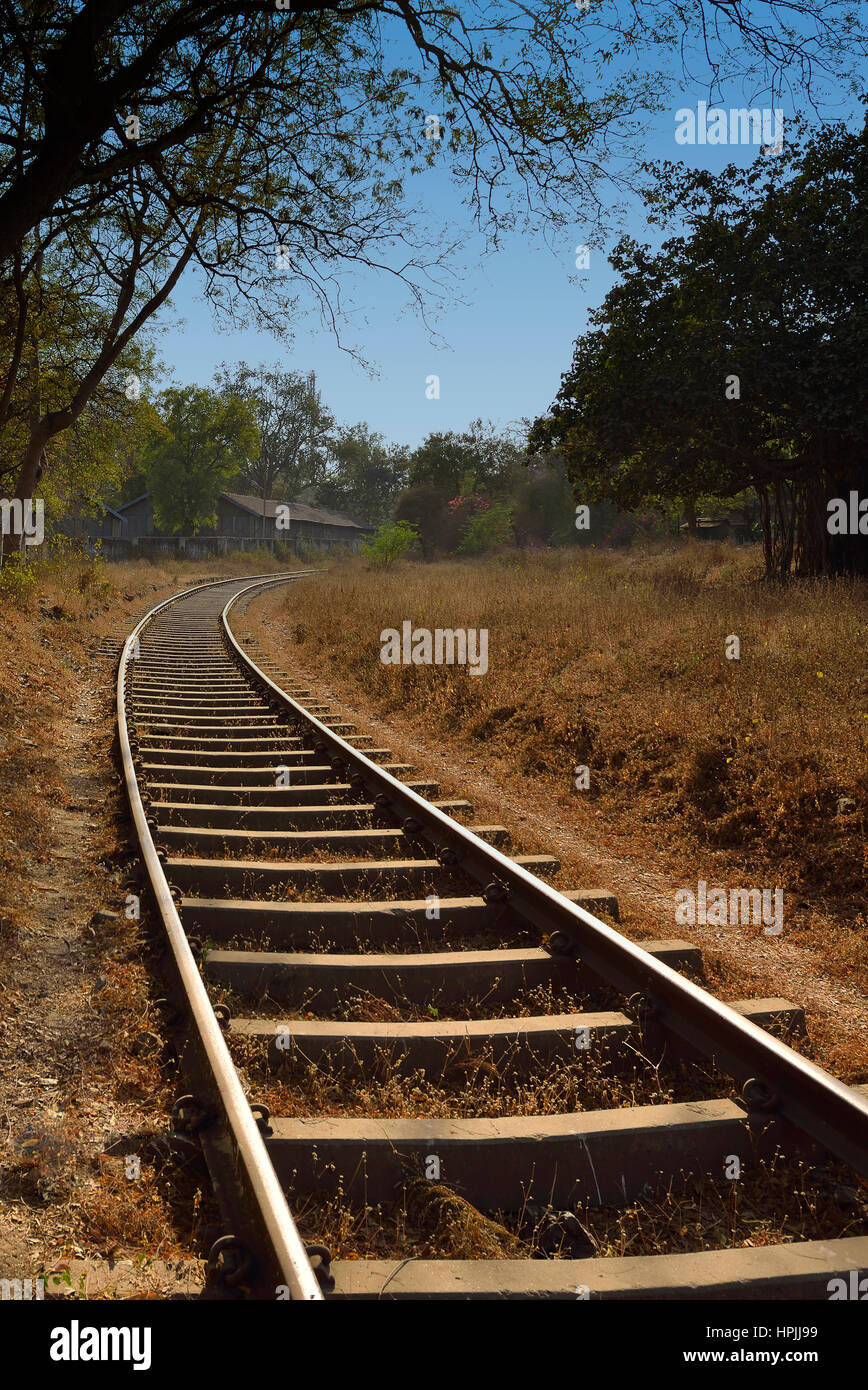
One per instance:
(298,511)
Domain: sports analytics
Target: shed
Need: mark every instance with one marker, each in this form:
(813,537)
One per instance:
(239,514)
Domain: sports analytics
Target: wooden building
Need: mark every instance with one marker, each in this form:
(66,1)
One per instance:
(241,515)
(240,518)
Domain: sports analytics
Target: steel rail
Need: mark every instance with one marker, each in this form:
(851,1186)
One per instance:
(784,1083)
(238,1152)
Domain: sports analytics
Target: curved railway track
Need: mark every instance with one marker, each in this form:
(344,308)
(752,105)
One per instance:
(262,817)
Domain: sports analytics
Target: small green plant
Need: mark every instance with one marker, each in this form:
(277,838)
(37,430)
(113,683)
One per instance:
(392,540)
(64,1276)
(487,530)
(207,946)
(17,578)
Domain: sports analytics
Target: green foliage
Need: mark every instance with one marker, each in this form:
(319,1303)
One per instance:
(295,429)
(18,578)
(393,540)
(308,552)
(478,459)
(543,507)
(425,507)
(366,475)
(487,530)
(733,358)
(304,126)
(85,459)
(205,439)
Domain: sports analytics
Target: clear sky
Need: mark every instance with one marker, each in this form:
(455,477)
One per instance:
(504,350)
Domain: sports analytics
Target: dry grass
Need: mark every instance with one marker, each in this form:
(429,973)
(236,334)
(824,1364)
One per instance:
(774,1202)
(85,991)
(53,616)
(517,1082)
(617,661)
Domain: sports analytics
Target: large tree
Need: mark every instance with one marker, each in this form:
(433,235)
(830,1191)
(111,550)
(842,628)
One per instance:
(478,459)
(205,439)
(295,429)
(732,358)
(366,474)
(117,271)
(514,78)
(42,395)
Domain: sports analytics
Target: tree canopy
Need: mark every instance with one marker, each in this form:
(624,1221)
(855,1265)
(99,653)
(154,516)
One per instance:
(732,358)
(476,459)
(295,430)
(204,440)
(96,88)
(365,476)
(271,146)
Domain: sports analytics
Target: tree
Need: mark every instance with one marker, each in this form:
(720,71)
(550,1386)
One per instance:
(77,76)
(131,257)
(366,475)
(478,459)
(43,395)
(731,359)
(88,464)
(543,509)
(122,269)
(255,142)
(294,429)
(137,139)
(489,529)
(425,507)
(205,439)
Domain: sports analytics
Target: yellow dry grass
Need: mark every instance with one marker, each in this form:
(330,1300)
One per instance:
(617,661)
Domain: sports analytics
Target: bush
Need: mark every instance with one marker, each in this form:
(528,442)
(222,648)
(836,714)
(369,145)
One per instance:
(18,578)
(487,530)
(392,540)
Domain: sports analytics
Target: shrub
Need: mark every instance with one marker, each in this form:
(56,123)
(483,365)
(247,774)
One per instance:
(18,578)
(487,530)
(392,540)
(425,508)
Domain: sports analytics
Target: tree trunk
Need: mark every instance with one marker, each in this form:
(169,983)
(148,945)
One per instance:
(766,527)
(818,551)
(777,520)
(812,536)
(785,527)
(690,515)
(848,554)
(31,472)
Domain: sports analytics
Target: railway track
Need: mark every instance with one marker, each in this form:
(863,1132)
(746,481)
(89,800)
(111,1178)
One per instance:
(295,867)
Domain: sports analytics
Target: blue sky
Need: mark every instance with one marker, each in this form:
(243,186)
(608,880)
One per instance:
(505,350)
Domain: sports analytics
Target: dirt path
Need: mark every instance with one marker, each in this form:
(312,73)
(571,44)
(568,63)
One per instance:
(74,1075)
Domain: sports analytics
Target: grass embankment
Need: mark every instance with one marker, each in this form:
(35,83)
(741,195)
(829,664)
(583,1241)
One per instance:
(738,771)
(751,772)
